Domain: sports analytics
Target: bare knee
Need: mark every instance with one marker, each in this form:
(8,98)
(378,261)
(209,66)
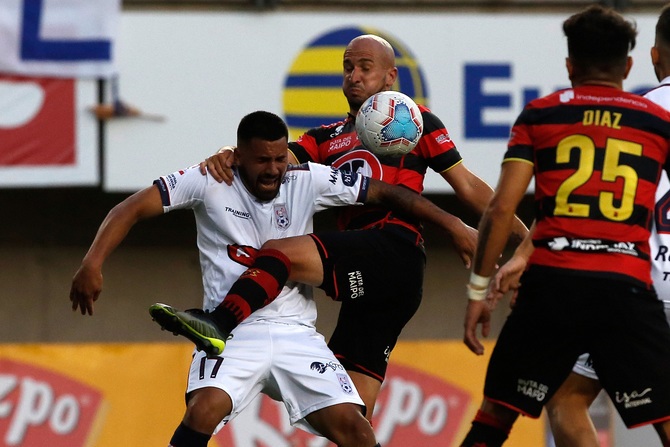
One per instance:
(206,408)
(344,425)
(355,430)
(568,412)
(368,388)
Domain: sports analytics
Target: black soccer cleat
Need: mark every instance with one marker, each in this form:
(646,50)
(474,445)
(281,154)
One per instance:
(193,324)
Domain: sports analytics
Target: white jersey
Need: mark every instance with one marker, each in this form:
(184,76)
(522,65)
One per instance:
(232,224)
(660,233)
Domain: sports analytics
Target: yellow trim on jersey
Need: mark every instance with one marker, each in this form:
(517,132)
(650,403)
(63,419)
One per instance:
(291,152)
(452,166)
(518,159)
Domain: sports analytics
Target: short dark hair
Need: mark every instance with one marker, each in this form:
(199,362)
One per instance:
(260,124)
(599,38)
(663,25)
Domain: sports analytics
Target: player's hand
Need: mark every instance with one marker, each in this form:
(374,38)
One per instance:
(477,312)
(507,278)
(85,289)
(220,165)
(465,243)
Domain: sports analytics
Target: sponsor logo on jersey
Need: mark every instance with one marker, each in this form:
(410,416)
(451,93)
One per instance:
(633,399)
(171,181)
(443,138)
(567,96)
(288,178)
(559,243)
(348,178)
(281,217)
(333,176)
(238,213)
(532,389)
(339,143)
(356,288)
(323,367)
(41,407)
(592,245)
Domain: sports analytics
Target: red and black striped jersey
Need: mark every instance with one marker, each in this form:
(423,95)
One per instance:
(337,144)
(597,154)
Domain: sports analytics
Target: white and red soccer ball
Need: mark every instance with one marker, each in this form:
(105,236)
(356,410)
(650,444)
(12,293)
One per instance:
(389,123)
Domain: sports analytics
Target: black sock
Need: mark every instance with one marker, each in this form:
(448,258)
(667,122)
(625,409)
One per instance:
(484,435)
(186,437)
(258,286)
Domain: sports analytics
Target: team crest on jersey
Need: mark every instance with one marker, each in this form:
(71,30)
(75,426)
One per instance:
(281,217)
(360,161)
(344,383)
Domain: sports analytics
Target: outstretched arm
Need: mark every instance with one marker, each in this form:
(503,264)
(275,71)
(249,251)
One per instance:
(401,199)
(87,281)
(476,194)
(494,230)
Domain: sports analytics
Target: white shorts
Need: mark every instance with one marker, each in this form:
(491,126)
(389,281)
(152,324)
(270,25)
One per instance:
(584,366)
(289,363)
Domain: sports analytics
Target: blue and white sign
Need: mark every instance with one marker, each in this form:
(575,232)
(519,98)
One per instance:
(62,38)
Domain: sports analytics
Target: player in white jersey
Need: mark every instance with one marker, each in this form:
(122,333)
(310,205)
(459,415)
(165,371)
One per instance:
(567,410)
(277,350)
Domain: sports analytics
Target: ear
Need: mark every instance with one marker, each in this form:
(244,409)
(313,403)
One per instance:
(629,65)
(391,76)
(655,56)
(569,67)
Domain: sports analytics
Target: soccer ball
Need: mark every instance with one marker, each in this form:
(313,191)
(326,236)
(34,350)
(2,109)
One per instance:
(389,123)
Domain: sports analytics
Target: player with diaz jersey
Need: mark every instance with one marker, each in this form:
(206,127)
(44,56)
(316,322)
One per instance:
(597,153)
(568,409)
(385,255)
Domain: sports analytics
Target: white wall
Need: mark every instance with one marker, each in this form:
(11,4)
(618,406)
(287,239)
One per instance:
(204,70)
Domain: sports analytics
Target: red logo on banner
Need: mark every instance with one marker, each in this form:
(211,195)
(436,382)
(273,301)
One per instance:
(40,407)
(414,408)
(37,121)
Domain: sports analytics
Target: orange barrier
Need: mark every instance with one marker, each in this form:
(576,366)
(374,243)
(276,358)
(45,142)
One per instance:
(105,395)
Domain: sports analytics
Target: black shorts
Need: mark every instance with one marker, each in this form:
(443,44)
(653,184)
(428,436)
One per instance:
(559,316)
(378,277)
